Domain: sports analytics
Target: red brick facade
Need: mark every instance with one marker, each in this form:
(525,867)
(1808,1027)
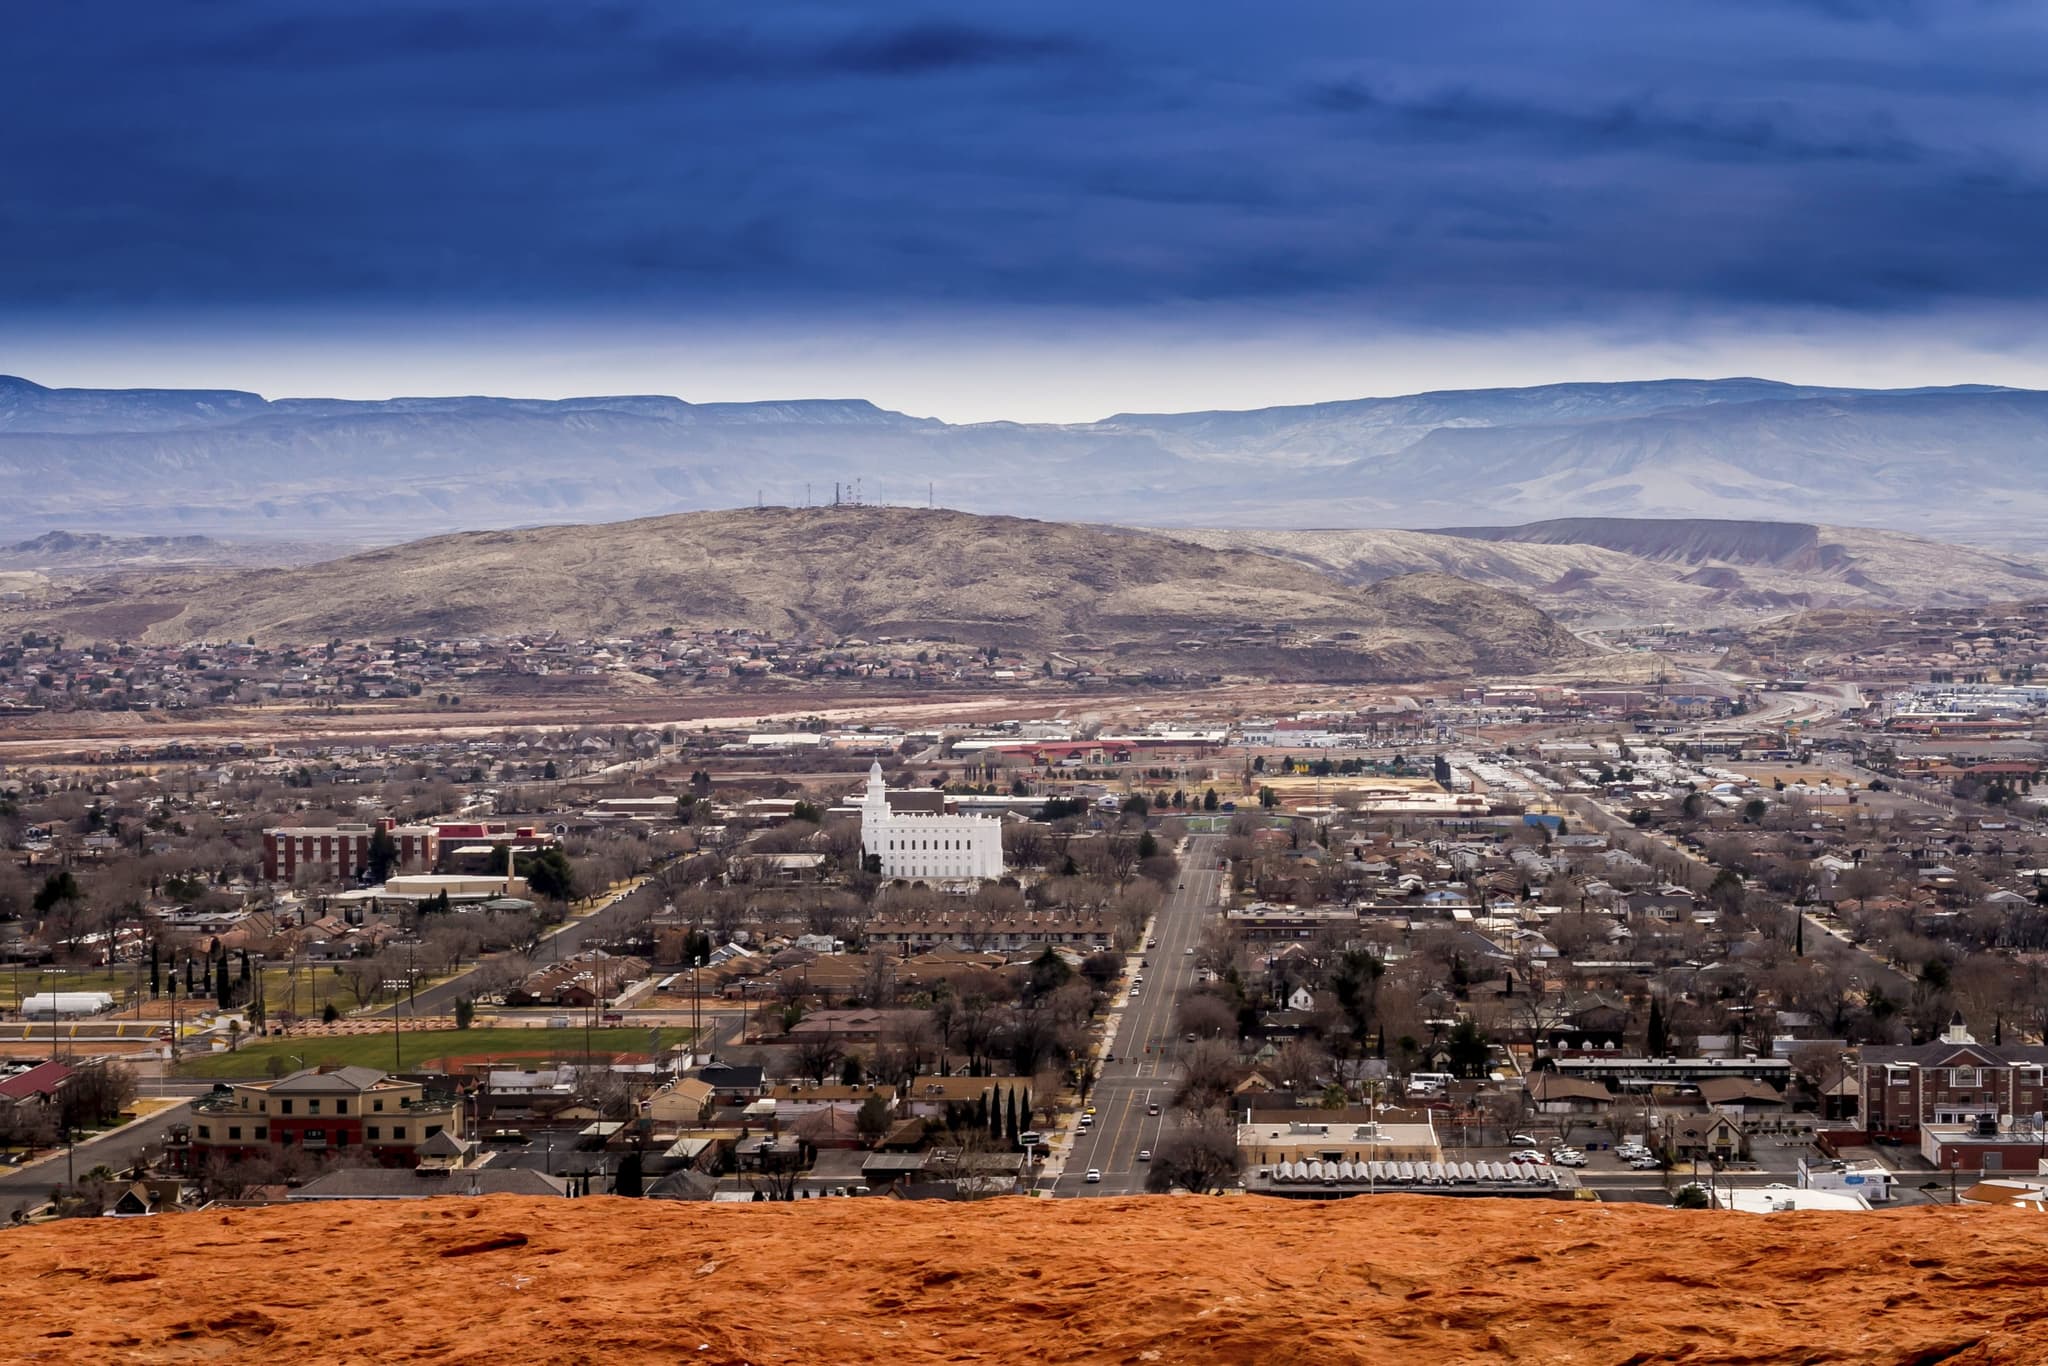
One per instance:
(338,853)
(1949,1083)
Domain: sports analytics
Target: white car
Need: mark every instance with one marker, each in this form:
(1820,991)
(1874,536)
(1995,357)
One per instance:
(1644,1164)
(1529,1155)
(1566,1157)
(1144,1154)
(1094,1174)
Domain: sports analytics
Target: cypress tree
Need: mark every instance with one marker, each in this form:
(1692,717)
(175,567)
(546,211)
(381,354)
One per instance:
(1658,1040)
(995,1116)
(1010,1119)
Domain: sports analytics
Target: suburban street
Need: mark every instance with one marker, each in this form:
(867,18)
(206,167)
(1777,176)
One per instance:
(1145,1042)
(33,1186)
(565,942)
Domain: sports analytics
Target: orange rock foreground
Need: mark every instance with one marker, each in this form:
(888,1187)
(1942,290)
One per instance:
(1393,1279)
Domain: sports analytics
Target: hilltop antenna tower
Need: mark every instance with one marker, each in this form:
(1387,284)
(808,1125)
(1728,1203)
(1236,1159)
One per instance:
(929,486)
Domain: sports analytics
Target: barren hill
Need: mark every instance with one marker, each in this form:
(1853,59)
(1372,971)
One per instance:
(1243,1280)
(1602,571)
(843,571)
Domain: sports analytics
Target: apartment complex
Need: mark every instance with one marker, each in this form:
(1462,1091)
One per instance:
(1953,1081)
(339,852)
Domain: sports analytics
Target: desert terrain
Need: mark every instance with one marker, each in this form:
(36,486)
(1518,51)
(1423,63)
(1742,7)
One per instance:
(845,571)
(1392,1279)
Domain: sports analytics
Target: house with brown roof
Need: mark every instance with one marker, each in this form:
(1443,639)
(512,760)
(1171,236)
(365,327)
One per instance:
(1743,1097)
(1552,1094)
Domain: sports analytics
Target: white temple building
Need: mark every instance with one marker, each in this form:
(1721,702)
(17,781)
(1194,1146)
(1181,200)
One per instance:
(927,842)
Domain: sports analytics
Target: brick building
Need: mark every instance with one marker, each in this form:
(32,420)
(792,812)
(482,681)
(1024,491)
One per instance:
(322,1110)
(1954,1081)
(338,853)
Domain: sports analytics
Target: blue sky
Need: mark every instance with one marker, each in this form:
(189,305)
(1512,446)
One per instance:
(1033,210)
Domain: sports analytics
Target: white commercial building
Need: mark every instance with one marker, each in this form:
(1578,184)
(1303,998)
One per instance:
(927,844)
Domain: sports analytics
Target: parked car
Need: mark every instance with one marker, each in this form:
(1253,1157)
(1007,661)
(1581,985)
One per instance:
(1644,1164)
(1529,1155)
(1568,1157)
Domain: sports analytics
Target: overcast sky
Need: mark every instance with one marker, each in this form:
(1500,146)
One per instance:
(1042,210)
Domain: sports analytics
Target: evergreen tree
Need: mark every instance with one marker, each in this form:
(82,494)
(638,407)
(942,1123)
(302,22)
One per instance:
(383,855)
(156,973)
(1658,1041)
(995,1117)
(1010,1119)
(1209,800)
(628,1183)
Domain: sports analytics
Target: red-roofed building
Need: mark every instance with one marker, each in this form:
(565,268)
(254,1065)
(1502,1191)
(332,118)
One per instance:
(41,1082)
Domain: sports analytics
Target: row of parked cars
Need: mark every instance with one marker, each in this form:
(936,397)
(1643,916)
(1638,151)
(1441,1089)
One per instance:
(1635,1155)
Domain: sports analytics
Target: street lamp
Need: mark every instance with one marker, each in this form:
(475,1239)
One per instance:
(696,1005)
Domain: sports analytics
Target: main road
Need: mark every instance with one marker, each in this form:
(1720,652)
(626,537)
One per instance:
(1144,1043)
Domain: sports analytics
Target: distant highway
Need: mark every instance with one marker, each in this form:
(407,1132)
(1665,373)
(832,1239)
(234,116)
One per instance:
(1145,1043)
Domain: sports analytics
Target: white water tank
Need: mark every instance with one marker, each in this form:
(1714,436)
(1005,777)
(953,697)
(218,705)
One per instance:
(46,1005)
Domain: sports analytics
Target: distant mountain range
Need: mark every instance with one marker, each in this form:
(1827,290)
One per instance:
(1964,462)
(1080,591)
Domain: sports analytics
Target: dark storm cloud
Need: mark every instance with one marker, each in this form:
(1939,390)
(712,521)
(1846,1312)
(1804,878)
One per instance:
(936,46)
(1621,126)
(1455,163)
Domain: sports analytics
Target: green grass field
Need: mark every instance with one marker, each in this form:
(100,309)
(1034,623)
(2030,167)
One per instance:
(417,1049)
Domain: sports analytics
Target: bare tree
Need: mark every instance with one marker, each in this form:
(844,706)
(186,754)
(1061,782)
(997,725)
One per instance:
(818,1057)
(1200,1154)
(1208,1069)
